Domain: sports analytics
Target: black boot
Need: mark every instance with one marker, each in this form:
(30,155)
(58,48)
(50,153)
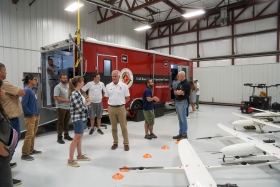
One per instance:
(59,140)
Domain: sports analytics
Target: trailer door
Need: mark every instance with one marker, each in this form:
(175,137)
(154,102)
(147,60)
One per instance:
(105,65)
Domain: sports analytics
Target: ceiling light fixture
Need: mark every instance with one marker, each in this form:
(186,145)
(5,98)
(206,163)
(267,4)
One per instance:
(192,14)
(74,7)
(143,28)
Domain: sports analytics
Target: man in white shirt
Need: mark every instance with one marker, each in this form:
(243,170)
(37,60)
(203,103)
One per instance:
(118,95)
(197,92)
(96,92)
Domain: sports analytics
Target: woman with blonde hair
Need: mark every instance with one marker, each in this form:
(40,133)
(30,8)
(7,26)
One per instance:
(193,95)
(79,114)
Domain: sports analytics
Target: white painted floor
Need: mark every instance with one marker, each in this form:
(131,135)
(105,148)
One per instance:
(50,169)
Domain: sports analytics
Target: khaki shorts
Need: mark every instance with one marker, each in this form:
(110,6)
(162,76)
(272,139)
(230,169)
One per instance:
(149,116)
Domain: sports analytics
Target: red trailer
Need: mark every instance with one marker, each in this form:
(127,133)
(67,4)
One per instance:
(135,65)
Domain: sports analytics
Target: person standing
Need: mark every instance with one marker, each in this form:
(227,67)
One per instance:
(118,95)
(52,76)
(148,109)
(6,132)
(96,92)
(12,106)
(63,109)
(197,92)
(175,82)
(182,93)
(79,114)
(192,95)
(31,118)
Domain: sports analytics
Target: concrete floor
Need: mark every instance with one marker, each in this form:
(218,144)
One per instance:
(50,168)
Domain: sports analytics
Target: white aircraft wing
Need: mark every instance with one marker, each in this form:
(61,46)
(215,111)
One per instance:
(274,113)
(270,149)
(257,120)
(196,172)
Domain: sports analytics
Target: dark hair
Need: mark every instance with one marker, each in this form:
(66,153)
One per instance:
(2,111)
(62,74)
(1,66)
(147,81)
(95,74)
(192,85)
(75,80)
(27,78)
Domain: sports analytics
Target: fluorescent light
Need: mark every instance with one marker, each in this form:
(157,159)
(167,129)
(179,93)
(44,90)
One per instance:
(74,7)
(196,13)
(143,28)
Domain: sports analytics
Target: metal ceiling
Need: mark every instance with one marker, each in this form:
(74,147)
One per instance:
(157,10)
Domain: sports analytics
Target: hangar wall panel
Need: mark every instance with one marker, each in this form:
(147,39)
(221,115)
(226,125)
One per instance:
(225,84)
(24,29)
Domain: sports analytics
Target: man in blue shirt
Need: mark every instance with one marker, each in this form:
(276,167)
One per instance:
(148,109)
(31,118)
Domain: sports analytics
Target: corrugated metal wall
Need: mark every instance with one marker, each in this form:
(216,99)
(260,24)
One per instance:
(219,79)
(24,29)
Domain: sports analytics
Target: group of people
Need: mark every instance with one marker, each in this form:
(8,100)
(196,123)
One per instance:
(73,103)
(10,110)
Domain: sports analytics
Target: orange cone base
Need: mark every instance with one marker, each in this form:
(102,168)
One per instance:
(164,147)
(147,156)
(124,170)
(118,176)
(177,142)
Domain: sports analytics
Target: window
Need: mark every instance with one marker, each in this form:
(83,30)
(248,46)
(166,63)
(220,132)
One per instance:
(107,67)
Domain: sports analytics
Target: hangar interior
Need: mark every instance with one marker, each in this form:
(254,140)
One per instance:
(232,48)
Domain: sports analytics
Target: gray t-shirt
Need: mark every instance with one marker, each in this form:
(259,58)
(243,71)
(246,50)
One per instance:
(51,74)
(62,91)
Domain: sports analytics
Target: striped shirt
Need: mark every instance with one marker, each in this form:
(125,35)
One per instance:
(78,109)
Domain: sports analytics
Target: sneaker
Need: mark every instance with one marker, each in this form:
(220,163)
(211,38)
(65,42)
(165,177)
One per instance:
(73,163)
(126,147)
(91,131)
(34,152)
(60,141)
(177,137)
(153,135)
(12,165)
(83,158)
(27,158)
(114,146)
(16,182)
(100,131)
(68,138)
(147,137)
(182,137)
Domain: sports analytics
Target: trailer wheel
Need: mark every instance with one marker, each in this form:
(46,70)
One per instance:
(137,105)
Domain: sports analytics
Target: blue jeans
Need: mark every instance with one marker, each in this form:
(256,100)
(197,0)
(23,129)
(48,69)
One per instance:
(181,108)
(15,124)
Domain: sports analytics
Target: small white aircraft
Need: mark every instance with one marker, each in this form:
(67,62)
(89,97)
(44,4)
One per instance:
(196,172)
(266,113)
(268,151)
(249,121)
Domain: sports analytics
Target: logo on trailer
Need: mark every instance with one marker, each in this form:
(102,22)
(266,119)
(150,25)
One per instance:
(126,77)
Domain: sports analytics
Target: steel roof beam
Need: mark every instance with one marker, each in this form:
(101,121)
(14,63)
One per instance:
(175,7)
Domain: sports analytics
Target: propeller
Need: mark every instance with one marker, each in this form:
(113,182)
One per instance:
(140,168)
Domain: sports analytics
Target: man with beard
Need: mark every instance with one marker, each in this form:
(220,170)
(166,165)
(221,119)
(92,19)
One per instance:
(148,109)
(63,108)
